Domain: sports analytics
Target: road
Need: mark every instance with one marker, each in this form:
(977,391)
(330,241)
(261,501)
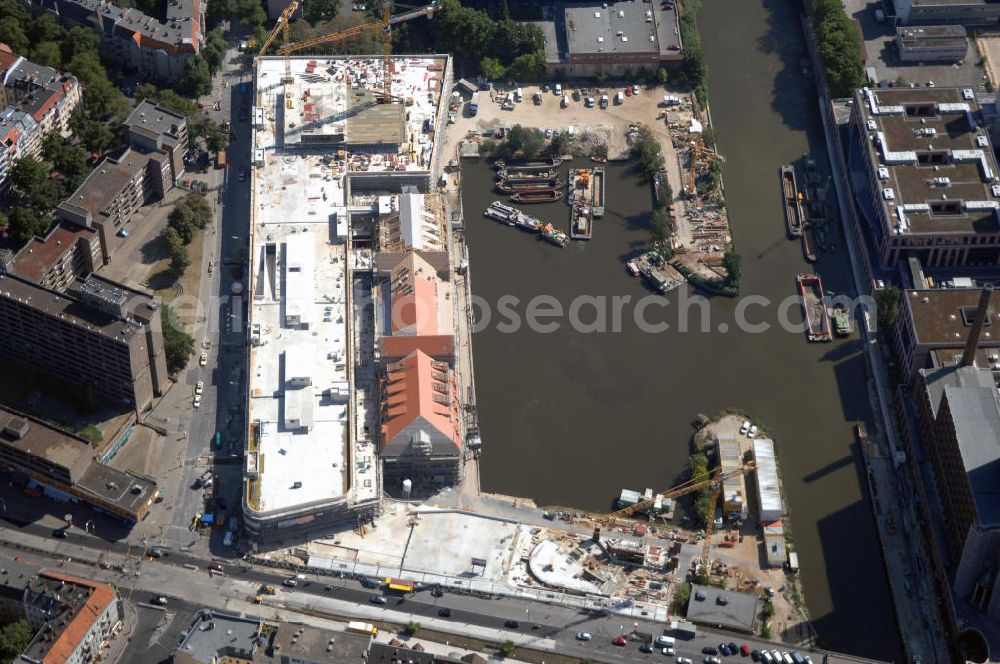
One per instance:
(181,575)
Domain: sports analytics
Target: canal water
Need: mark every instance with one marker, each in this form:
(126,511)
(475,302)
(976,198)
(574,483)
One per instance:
(594,402)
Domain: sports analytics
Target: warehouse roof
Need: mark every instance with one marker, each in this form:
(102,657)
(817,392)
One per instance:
(721,608)
(618,27)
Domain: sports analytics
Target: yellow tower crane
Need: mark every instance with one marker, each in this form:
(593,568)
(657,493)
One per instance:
(280,26)
(385,24)
(713,479)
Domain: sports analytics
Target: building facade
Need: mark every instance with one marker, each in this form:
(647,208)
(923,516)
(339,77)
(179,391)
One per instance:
(157,47)
(963,12)
(99,335)
(152,128)
(925,177)
(959,416)
(71,616)
(932,43)
(20,137)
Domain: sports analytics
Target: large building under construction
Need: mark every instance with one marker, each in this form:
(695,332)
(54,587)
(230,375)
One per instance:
(332,260)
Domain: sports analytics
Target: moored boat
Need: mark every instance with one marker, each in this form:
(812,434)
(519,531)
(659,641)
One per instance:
(536,196)
(814,305)
(497,215)
(790,200)
(540,162)
(527,223)
(554,235)
(581,222)
(841,321)
(597,192)
(632,268)
(809,244)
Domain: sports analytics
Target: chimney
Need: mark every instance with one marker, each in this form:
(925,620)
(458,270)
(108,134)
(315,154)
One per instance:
(969,356)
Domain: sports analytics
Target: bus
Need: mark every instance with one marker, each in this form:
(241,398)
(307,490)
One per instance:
(356,627)
(400,585)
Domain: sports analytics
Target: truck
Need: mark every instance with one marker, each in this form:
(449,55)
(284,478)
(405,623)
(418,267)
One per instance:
(474,105)
(220,159)
(682,630)
(357,627)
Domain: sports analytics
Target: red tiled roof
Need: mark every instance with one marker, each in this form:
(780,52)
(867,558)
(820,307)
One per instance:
(410,394)
(439,346)
(101,595)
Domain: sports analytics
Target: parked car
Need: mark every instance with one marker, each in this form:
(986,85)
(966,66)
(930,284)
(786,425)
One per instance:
(709,650)
(745,428)
(215,566)
(511,624)
(159,600)
(618,641)
(583,636)
(156,553)
(753,431)
(377,599)
(712,660)
(669,651)
(445,612)
(745,650)
(60,533)
(724,650)
(684,660)
(291,583)
(755,655)
(203,360)
(646,647)
(199,387)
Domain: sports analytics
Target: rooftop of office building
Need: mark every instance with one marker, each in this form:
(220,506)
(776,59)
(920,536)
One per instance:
(615,27)
(303,308)
(935,166)
(945,315)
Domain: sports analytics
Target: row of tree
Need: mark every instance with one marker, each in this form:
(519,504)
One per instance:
(839,46)
(190,215)
(695,69)
(178,345)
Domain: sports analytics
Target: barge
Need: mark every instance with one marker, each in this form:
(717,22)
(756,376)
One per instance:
(581,222)
(814,305)
(809,244)
(511,187)
(597,192)
(536,196)
(497,215)
(791,202)
(541,163)
(841,321)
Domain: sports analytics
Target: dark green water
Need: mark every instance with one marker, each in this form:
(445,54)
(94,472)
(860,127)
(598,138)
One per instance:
(571,417)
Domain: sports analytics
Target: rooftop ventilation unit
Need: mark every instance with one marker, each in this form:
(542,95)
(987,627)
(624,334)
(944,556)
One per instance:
(888,194)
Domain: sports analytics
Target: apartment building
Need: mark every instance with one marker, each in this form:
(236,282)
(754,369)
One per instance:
(71,618)
(64,465)
(20,137)
(925,180)
(48,95)
(99,335)
(933,326)
(157,46)
(152,128)
(56,260)
(114,191)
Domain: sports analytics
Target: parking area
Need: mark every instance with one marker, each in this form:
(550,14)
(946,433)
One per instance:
(880,46)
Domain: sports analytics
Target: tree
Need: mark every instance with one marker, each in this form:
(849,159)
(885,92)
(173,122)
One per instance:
(506,648)
(144,91)
(175,103)
(68,160)
(412,627)
(32,179)
(492,68)
(250,13)
(14,35)
(214,50)
(646,149)
(731,261)
(197,79)
(661,76)
(660,227)
(215,138)
(179,259)
(47,53)
(172,238)
(887,303)
(94,134)
(45,28)
(14,638)
(217,12)
(25,224)
(682,594)
(177,344)
(698,469)
(320,10)
(561,144)
(201,211)
(79,40)
(528,67)
(181,219)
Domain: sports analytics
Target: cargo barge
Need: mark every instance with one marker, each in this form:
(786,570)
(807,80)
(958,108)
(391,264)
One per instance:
(581,222)
(512,187)
(791,202)
(597,192)
(814,305)
(809,244)
(542,163)
(536,196)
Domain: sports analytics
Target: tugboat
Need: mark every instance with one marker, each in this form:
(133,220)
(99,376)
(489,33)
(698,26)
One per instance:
(554,235)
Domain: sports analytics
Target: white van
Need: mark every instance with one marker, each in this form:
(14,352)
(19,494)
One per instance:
(559,89)
(619,98)
(664,641)
(518,95)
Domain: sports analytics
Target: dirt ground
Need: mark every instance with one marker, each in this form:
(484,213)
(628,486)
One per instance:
(989,48)
(788,622)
